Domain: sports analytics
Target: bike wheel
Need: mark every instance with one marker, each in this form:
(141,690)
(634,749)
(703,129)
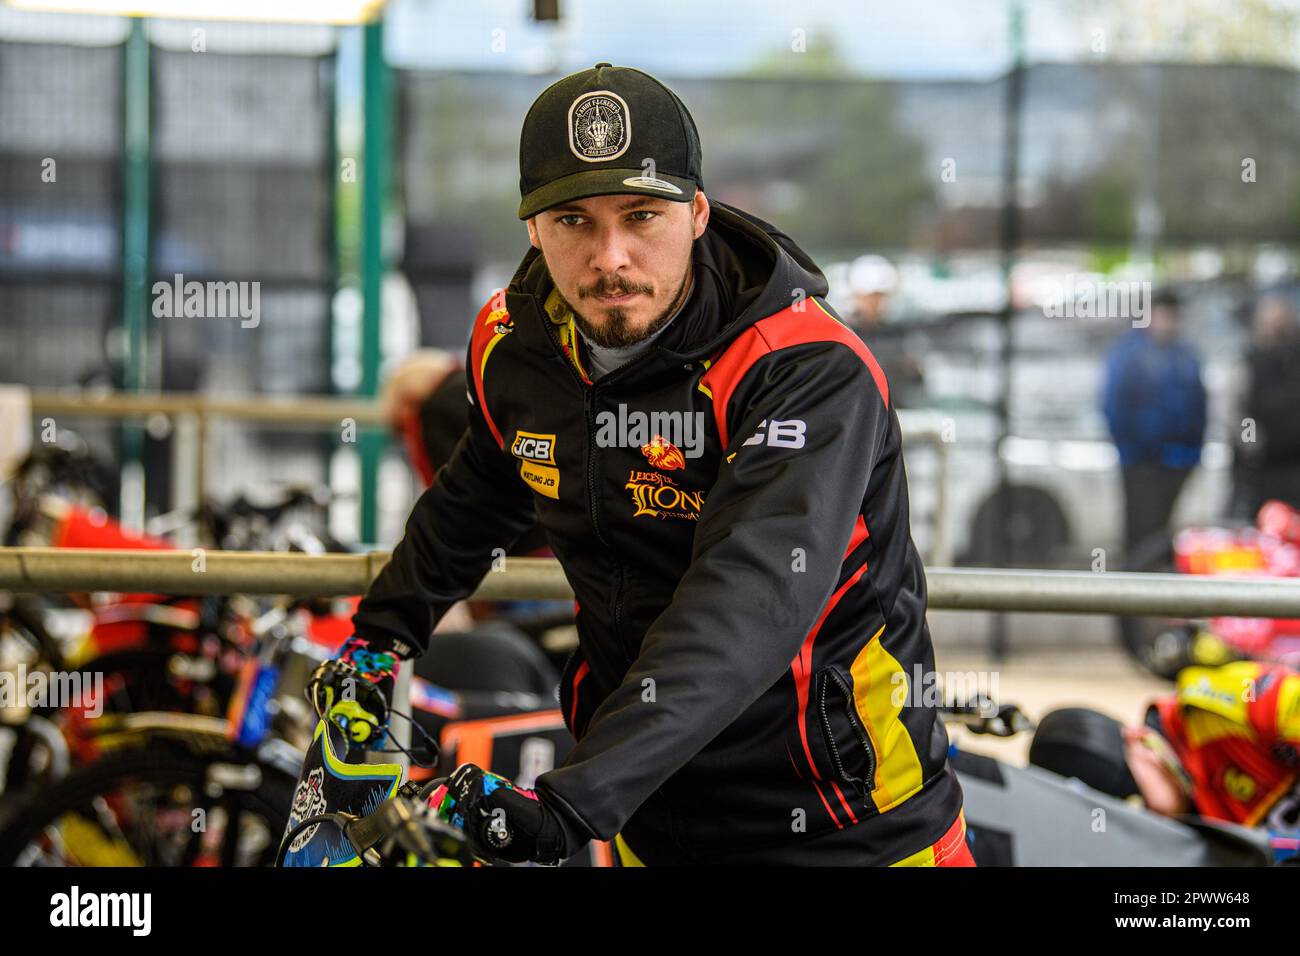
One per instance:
(160,806)
(133,682)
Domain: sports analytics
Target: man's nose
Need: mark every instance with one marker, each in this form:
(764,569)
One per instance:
(610,253)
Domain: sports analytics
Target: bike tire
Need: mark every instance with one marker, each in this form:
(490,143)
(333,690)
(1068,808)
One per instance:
(160,766)
(144,687)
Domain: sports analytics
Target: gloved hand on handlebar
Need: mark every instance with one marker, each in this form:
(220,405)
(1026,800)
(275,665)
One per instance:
(354,690)
(503,822)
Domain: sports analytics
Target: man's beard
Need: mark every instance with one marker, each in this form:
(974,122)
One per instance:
(615,332)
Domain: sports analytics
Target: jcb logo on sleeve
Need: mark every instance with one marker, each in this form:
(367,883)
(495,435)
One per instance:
(537,448)
(778,434)
(537,462)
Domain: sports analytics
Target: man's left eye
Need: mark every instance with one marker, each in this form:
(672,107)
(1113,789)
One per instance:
(648,213)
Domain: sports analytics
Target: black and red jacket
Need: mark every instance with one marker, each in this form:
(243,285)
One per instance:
(751,620)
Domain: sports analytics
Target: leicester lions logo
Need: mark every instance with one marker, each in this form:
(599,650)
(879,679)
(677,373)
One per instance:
(663,454)
(600,126)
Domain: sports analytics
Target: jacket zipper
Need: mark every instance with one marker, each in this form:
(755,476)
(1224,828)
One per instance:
(588,405)
(588,414)
(862,738)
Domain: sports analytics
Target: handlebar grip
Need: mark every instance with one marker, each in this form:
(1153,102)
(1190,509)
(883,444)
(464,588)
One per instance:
(394,818)
(371,830)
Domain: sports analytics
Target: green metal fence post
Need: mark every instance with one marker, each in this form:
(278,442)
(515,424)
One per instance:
(136,167)
(377,107)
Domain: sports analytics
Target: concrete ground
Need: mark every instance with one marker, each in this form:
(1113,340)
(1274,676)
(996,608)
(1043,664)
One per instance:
(1043,678)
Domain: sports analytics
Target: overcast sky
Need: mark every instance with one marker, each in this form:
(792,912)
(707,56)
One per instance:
(685,38)
(913,39)
(886,38)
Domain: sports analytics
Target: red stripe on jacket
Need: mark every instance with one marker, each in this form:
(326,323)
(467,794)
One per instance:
(778,331)
(860,534)
(578,675)
(483,333)
(802,665)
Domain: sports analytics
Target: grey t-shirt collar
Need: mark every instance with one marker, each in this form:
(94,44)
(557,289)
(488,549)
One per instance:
(604,360)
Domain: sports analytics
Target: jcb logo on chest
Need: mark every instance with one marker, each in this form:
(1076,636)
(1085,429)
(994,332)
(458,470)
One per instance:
(536,454)
(779,434)
(538,448)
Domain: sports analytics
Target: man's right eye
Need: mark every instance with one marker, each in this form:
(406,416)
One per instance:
(572,215)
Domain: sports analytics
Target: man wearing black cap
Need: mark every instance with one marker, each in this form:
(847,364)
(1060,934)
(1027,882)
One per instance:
(715,461)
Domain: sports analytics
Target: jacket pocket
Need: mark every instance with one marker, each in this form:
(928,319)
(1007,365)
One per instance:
(852,757)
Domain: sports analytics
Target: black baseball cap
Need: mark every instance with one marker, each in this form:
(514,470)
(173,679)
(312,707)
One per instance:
(591,134)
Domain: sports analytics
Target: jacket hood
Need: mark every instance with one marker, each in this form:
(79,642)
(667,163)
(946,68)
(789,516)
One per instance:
(745,270)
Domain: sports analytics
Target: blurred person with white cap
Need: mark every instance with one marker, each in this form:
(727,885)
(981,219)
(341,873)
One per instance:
(873,279)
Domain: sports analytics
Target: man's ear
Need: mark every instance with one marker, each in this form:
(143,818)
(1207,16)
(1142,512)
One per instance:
(700,211)
(531,222)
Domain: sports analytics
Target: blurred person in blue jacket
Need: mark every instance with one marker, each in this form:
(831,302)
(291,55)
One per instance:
(1154,403)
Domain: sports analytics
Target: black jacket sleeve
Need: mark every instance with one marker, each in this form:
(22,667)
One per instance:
(741,611)
(475,506)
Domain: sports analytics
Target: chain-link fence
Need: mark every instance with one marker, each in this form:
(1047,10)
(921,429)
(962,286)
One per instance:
(1188,153)
(241,191)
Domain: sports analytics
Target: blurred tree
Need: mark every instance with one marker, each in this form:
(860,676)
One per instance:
(1228,138)
(1195,31)
(798,140)
(807,56)
(1096,208)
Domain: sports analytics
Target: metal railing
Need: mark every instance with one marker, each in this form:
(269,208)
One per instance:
(200,410)
(967,589)
(220,572)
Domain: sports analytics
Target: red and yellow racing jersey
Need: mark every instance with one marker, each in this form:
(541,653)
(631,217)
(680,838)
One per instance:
(1236,730)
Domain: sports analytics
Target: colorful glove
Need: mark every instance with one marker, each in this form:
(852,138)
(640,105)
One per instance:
(353,690)
(501,821)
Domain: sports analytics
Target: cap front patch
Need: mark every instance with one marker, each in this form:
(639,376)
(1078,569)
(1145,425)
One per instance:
(600,126)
